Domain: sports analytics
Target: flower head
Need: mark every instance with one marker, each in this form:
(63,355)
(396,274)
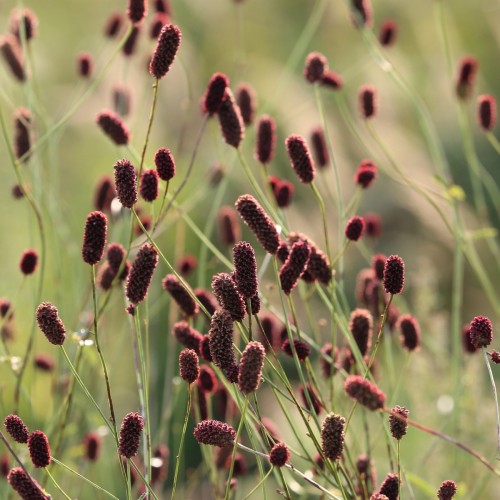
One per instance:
(47,318)
(94,237)
(279,455)
(250,368)
(189,366)
(130,435)
(114,127)
(300,158)
(16,428)
(394,274)
(481,332)
(364,392)
(398,421)
(215,433)
(265,139)
(38,446)
(126,183)
(167,46)
(141,273)
(332,436)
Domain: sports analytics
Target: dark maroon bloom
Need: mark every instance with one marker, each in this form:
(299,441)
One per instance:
(137,10)
(360,325)
(283,192)
(205,349)
(410,332)
(315,66)
(23,24)
(104,194)
(159,20)
(245,97)
(469,347)
(364,392)
(121,99)
(5,307)
(105,277)
(390,487)
(16,428)
(361,13)
(308,393)
(187,265)
(149,185)
(294,266)
(4,465)
(201,398)
(229,227)
(368,105)
(250,368)
(265,139)
(167,46)
(28,262)
(17,191)
(486,112)
(38,446)
(130,435)
(447,490)
(354,228)
(245,269)
(114,127)
(207,300)
(92,446)
(394,274)
(125,181)
(130,44)
(466,77)
(115,255)
(319,147)
(332,436)
(141,273)
(84,64)
(301,348)
(232,373)
(189,366)
(49,322)
(165,164)
(207,380)
(300,158)
(230,120)
(94,237)
(215,433)
(11,52)
(279,455)
(378,264)
(254,304)
(180,294)
(187,335)
(113,25)
(387,33)
(481,332)
(163,6)
(221,339)
(44,362)
(495,357)
(130,309)
(373,224)
(398,421)
(366,174)
(228,296)
(331,80)
(25,486)
(22,143)
(318,266)
(215,93)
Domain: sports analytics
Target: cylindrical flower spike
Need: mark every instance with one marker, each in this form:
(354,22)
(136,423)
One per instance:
(354,228)
(230,120)
(49,322)
(27,488)
(149,185)
(301,348)
(84,64)
(294,266)
(126,183)
(221,339)
(319,147)
(364,392)
(481,332)
(388,32)
(23,24)
(16,428)
(308,393)
(215,433)
(182,297)
(394,275)
(11,51)
(22,142)
(38,446)
(390,487)
(229,226)
(245,269)
(486,112)
(92,444)
(366,174)
(466,77)
(94,237)
(368,105)
(113,25)
(165,164)
(245,98)
(447,490)
(227,295)
(250,368)
(28,262)
(361,13)
(315,66)
(361,325)
(137,10)
(141,273)
(410,332)
(187,335)
(332,436)
(189,366)
(398,426)
(265,139)
(167,46)
(130,435)
(114,127)
(214,95)
(300,158)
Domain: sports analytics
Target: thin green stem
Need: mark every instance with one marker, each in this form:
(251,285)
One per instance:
(259,484)
(55,484)
(495,396)
(150,125)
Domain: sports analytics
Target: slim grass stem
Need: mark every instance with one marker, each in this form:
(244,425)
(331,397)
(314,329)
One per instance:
(54,482)
(495,396)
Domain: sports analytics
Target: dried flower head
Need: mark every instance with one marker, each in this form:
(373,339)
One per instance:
(265,141)
(486,112)
(25,486)
(11,52)
(310,399)
(294,266)
(481,332)
(410,332)
(279,455)
(23,24)
(187,335)
(320,150)
(114,127)
(16,428)
(47,318)
(390,487)
(165,164)
(394,274)
(300,158)
(167,46)
(28,262)
(361,13)
(215,93)
(245,269)
(332,436)
(354,228)
(149,185)
(315,66)
(221,339)
(92,444)
(215,433)
(301,348)
(368,104)
(126,183)
(38,446)
(22,142)
(84,64)
(364,392)
(230,120)
(137,10)
(228,296)
(245,97)
(259,222)
(180,294)
(398,421)
(189,366)
(250,368)
(113,25)
(130,435)
(388,32)
(361,326)
(466,77)
(94,237)
(141,273)
(447,490)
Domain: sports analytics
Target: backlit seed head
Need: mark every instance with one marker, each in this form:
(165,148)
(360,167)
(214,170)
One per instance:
(398,426)
(302,349)
(47,318)
(187,336)
(114,127)
(319,147)
(84,64)
(137,10)
(265,142)
(130,435)
(27,488)
(12,55)
(486,112)
(189,366)
(230,120)
(149,185)
(368,105)
(221,339)
(250,368)
(16,428)
(300,158)
(361,326)
(481,332)
(92,444)
(331,80)
(23,24)
(22,142)
(466,77)
(390,487)
(388,32)
(38,446)
(447,490)
(165,164)
(315,66)
(279,455)
(354,228)
(332,436)
(259,222)
(215,433)
(228,296)
(294,266)
(246,100)
(215,93)
(180,294)
(394,275)
(94,237)
(410,332)
(229,226)
(364,392)
(167,46)
(141,273)
(28,262)
(245,269)
(308,393)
